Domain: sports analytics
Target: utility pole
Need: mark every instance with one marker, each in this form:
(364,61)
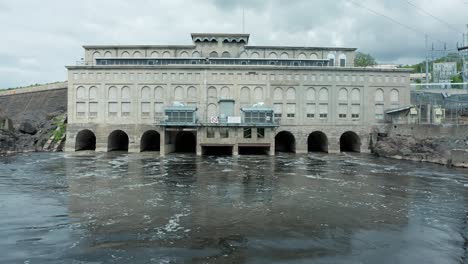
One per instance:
(427,64)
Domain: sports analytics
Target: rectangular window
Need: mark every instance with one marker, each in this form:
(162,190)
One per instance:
(323,111)
(210,132)
(291,110)
(126,109)
(158,107)
(342,62)
(93,109)
(278,109)
(145,109)
(113,109)
(355,111)
(379,111)
(310,110)
(260,132)
(80,109)
(342,111)
(247,133)
(224,132)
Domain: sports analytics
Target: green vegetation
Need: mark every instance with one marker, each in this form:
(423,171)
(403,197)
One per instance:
(62,127)
(29,86)
(364,60)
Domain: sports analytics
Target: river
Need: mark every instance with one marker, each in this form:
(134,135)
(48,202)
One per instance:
(139,208)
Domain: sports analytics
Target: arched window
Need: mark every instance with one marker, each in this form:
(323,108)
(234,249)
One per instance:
(245,95)
(212,92)
(178,93)
(394,96)
(196,54)
(313,56)
(291,94)
(331,59)
(108,54)
(166,54)
(355,95)
(342,60)
(159,94)
(284,55)
(226,54)
(323,94)
(112,92)
(125,54)
(214,54)
(154,54)
(343,95)
(225,92)
(145,93)
(243,54)
(254,55)
(93,93)
(379,95)
(192,92)
(310,95)
(302,56)
(273,55)
(212,110)
(81,92)
(96,54)
(258,94)
(137,54)
(278,94)
(125,92)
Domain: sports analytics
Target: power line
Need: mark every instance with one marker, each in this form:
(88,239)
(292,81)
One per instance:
(394,20)
(431,15)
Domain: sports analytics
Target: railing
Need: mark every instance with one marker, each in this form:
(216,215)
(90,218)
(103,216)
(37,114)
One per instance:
(438,86)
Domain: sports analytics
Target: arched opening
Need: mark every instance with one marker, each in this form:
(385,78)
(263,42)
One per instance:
(317,142)
(85,140)
(285,142)
(150,141)
(186,142)
(117,141)
(350,142)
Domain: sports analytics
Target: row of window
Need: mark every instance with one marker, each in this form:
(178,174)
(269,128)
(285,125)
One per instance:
(252,76)
(224,132)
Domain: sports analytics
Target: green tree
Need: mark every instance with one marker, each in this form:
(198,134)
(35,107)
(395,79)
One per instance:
(364,60)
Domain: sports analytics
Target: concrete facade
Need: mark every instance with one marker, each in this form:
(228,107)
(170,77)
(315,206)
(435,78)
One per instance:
(126,88)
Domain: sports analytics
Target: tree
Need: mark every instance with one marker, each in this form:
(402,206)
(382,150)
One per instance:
(364,60)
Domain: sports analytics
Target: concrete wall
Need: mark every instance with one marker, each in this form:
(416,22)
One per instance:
(429,131)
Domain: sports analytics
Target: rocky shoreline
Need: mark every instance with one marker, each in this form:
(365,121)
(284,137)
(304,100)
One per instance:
(452,152)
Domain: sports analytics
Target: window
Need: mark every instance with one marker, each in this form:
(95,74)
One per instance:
(323,111)
(93,93)
(247,133)
(158,107)
(80,93)
(80,109)
(145,109)
(210,132)
(125,109)
(93,109)
(113,109)
(310,110)
(379,111)
(260,132)
(224,132)
(291,110)
(278,109)
(342,60)
(355,111)
(331,59)
(342,111)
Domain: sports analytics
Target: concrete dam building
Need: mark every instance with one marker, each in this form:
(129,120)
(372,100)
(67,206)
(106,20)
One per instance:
(221,95)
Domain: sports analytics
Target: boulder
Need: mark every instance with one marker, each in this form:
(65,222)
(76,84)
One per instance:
(27,128)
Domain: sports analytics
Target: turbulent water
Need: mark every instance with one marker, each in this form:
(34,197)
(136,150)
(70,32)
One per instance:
(139,208)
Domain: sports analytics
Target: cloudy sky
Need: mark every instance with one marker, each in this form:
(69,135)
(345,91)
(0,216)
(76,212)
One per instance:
(40,37)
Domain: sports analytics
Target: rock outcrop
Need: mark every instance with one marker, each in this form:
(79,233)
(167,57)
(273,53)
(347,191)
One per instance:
(434,150)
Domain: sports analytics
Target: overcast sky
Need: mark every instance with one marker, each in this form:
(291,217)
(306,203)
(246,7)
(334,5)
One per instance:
(40,37)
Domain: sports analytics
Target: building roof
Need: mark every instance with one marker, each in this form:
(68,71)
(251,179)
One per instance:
(300,48)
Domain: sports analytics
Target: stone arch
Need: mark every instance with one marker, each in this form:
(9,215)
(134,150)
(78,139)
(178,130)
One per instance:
(214,54)
(112,93)
(184,54)
(125,92)
(159,93)
(185,142)
(394,96)
(310,94)
(85,140)
(317,142)
(179,94)
(192,92)
(225,92)
(331,59)
(285,142)
(291,94)
(379,95)
(278,94)
(196,54)
(125,54)
(350,142)
(166,54)
(243,55)
(273,55)
(356,95)
(323,94)
(96,54)
(108,54)
(245,95)
(258,94)
(343,60)
(343,94)
(80,92)
(255,55)
(154,54)
(117,141)
(226,54)
(93,93)
(150,141)
(145,93)
(212,92)
(137,54)
(314,56)
(284,56)
(302,56)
